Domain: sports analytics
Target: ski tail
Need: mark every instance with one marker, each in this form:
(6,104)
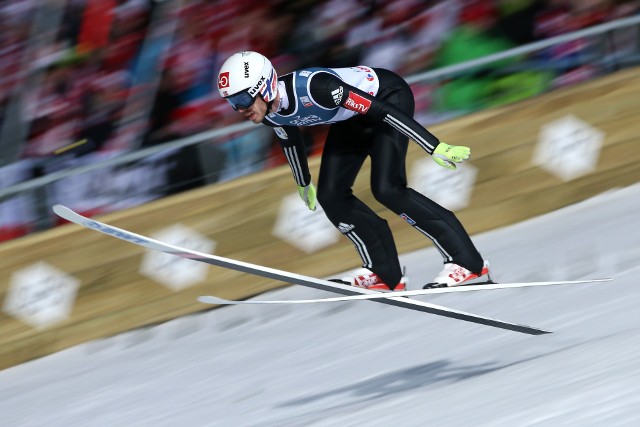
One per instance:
(211,299)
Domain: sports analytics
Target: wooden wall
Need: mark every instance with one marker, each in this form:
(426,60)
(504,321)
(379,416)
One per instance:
(239,215)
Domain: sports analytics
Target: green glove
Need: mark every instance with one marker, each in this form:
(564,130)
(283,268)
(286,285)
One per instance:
(308,195)
(448,155)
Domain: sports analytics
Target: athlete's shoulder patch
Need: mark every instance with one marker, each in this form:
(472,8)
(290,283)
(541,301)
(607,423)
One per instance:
(337,95)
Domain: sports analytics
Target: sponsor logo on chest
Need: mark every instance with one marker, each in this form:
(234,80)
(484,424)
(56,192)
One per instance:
(307,120)
(357,103)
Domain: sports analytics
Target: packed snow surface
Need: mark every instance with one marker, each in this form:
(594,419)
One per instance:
(370,364)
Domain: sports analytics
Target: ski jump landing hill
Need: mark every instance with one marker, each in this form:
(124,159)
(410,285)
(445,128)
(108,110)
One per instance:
(70,285)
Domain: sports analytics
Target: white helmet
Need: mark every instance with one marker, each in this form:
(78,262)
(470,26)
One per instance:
(245,75)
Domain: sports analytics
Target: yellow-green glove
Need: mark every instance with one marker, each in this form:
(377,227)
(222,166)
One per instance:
(448,155)
(308,195)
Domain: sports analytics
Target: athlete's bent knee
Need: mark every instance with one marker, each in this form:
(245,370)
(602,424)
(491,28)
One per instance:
(387,194)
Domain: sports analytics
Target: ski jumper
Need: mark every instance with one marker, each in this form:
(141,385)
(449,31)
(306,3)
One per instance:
(371,114)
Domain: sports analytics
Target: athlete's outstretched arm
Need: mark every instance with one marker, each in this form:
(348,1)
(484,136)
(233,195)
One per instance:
(323,84)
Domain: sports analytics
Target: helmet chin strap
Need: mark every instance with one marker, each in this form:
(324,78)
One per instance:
(271,103)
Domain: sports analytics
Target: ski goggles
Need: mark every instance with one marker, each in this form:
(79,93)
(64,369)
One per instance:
(241,100)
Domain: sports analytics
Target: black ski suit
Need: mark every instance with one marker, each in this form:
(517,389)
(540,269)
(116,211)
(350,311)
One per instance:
(371,114)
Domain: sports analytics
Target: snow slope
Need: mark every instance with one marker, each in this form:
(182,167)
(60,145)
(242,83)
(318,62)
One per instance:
(368,364)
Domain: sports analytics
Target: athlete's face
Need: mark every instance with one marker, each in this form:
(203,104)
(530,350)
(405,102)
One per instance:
(256,111)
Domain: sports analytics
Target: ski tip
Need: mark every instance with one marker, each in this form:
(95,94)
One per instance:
(58,208)
(62,211)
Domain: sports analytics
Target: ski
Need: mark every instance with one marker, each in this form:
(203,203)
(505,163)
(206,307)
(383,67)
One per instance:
(211,299)
(285,276)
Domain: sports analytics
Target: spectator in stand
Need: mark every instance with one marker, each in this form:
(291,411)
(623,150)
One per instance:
(623,8)
(165,105)
(14,30)
(53,112)
(389,48)
(85,96)
(190,58)
(428,29)
(473,37)
(567,59)
(516,19)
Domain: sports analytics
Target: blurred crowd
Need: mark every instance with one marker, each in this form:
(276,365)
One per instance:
(97,65)
(110,76)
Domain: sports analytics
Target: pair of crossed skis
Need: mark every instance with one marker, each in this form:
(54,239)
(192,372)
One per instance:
(351,293)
